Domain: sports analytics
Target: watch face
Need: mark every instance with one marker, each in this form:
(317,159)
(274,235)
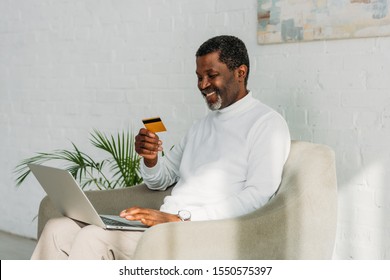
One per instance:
(184,215)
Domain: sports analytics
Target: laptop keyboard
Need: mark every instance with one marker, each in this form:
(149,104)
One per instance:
(111,222)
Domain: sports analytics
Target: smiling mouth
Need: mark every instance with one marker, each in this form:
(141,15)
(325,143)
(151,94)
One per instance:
(208,94)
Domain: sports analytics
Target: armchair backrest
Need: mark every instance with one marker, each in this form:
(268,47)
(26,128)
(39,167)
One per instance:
(299,222)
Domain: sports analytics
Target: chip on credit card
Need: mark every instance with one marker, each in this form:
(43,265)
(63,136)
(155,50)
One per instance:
(154,124)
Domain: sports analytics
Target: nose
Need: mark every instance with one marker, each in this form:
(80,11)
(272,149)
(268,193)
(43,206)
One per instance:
(203,83)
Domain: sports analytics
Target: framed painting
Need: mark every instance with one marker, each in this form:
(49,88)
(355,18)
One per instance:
(283,21)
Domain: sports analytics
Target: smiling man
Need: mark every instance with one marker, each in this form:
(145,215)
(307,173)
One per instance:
(228,164)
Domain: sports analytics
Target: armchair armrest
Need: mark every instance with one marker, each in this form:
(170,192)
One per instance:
(267,233)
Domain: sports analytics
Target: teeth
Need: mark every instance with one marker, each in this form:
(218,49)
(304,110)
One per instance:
(209,94)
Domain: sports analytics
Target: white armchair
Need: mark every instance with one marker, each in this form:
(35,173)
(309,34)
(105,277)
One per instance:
(299,222)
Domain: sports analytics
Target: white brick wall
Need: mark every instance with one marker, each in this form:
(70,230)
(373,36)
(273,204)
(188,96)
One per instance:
(67,67)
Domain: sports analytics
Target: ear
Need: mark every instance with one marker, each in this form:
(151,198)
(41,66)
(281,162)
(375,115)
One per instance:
(242,72)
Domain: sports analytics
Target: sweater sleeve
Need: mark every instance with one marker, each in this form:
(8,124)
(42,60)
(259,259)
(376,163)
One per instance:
(268,148)
(165,172)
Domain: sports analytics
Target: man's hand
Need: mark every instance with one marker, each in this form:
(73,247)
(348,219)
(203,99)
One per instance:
(147,145)
(149,217)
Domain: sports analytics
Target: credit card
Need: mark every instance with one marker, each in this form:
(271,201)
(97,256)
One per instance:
(154,124)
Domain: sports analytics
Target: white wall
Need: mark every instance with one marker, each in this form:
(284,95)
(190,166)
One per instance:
(67,67)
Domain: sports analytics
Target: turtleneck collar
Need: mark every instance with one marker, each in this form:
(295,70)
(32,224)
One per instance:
(239,106)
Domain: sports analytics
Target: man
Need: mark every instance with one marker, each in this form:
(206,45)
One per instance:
(228,164)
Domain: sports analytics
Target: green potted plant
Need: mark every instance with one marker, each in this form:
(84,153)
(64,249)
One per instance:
(118,170)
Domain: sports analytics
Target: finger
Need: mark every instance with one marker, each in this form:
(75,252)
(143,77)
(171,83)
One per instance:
(143,140)
(150,146)
(137,217)
(148,143)
(150,134)
(143,132)
(128,210)
(123,213)
(148,150)
(149,223)
(138,210)
(142,213)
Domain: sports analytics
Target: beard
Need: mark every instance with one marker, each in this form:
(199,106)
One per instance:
(213,100)
(215,105)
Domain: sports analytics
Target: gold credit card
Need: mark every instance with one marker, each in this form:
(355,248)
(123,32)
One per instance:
(154,124)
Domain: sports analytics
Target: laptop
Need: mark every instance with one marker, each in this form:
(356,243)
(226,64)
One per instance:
(71,201)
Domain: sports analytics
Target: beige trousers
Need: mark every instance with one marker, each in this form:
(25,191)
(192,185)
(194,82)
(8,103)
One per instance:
(63,238)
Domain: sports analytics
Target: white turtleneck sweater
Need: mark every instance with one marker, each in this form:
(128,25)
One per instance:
(229,163)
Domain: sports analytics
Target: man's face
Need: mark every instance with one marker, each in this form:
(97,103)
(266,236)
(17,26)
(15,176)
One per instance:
(219,86)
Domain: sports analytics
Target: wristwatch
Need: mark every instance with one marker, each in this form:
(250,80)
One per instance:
(184,215)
